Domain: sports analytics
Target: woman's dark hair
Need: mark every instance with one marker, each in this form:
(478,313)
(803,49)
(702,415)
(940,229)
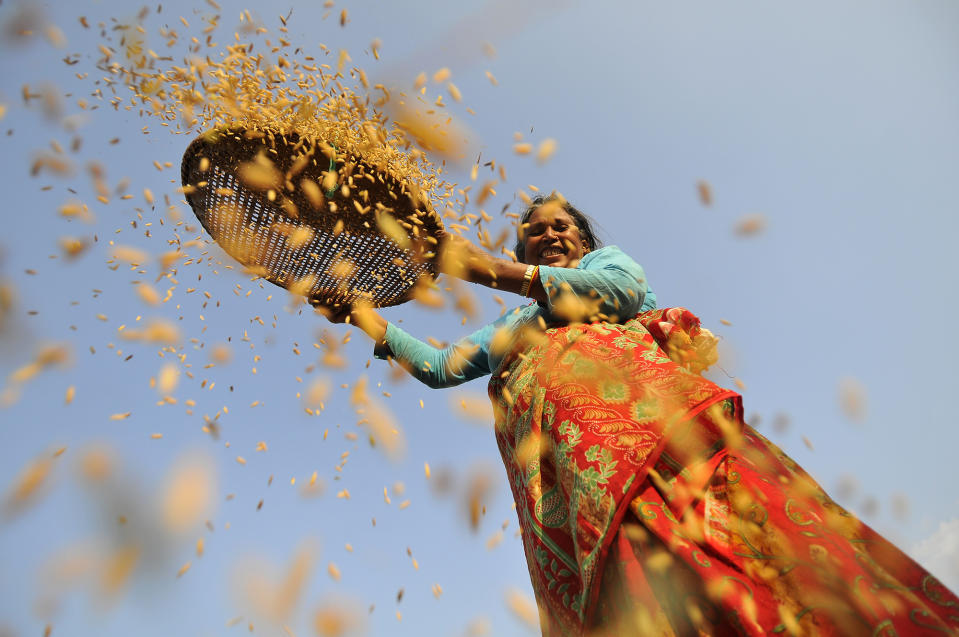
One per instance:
(582,224)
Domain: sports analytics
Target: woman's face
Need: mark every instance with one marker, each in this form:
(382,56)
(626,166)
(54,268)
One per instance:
(552,238)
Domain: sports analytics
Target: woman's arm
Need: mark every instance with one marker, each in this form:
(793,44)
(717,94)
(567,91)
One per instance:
(606,285)
(465,260)
(462,361)
(465,360)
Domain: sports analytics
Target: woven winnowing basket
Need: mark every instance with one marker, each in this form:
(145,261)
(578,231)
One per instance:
(344,256)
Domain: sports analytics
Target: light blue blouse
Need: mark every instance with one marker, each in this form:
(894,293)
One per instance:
(610,273)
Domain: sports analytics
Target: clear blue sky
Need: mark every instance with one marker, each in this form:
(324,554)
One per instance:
(834,122)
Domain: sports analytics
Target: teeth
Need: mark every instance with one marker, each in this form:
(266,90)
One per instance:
(548,252)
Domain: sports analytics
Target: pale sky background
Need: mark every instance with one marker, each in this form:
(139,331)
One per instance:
(836,122)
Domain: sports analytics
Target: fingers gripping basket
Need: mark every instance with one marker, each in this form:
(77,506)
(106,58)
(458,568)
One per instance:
(321,223)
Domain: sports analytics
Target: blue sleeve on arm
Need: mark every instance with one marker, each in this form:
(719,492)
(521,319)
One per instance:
(649,303)
(610,273)
(464,360)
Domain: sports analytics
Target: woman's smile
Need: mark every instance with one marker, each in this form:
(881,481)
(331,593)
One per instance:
(553,238)
(551,251)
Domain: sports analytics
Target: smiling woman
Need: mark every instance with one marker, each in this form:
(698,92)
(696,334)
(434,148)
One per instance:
(557,232)
(646,504)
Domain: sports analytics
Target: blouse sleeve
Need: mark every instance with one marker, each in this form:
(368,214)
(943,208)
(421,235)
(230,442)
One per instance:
(464,360)
(609,275)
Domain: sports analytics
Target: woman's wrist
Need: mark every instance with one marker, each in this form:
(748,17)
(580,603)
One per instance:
(370,322)
(528,277)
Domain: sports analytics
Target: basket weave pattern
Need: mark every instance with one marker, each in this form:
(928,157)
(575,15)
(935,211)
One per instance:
(343,257)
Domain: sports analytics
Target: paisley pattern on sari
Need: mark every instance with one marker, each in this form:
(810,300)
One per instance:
(646,506)
(582,412)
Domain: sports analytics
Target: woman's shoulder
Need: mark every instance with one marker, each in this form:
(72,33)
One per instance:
(605,255)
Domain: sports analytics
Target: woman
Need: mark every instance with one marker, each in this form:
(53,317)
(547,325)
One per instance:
(646,505)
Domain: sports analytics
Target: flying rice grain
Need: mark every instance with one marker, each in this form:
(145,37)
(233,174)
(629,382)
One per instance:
(389,226)
(260,174)
(454,92)
(546,150)
(705,192)
(334,571)
(313,193)
(750,225)
(148,294)
(28,485)
(72,247)
(522,608)
(134,256)
(187,495)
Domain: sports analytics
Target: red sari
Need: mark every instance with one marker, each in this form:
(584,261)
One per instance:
(648,507)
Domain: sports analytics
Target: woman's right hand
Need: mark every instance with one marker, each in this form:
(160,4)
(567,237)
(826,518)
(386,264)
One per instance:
(333,315)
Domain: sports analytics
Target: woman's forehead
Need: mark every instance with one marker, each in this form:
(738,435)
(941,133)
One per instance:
(549,212)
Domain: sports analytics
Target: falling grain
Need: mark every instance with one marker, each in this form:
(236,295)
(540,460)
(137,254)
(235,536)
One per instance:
(27,486)
(454,92)
(852,399)
(750,225)
(705,192)
(522,608)
(546,150)
(334,571)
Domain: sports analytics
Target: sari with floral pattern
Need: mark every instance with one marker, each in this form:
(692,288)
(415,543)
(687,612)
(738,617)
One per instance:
(648,507)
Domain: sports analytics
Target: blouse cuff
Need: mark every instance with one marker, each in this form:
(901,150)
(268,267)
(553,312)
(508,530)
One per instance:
(382,349)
